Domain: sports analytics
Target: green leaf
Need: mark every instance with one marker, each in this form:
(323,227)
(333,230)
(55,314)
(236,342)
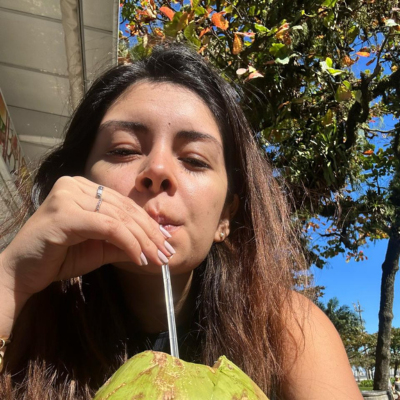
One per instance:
(200,11)
(280,52)
(284,60)
(190,34)
(276,48)
(252,11)
(347,84)
(343,93)
(195,3)
(229,9)
(261,28)
(352,33)
(328,119)
(326,66)
(171,29)
(329,19)
(335,72)
(329,3)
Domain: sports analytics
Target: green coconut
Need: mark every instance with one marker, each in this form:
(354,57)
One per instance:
(153,375)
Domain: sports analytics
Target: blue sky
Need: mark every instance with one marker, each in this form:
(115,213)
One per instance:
(359,281)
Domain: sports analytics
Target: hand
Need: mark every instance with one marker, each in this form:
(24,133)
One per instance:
(66,238)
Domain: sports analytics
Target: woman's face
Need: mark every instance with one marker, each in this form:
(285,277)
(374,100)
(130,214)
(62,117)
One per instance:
(160,145)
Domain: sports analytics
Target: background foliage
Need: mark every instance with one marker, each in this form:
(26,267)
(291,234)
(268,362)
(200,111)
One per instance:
(319,82)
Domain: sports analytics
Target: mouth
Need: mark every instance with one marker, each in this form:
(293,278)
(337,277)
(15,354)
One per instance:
(170,228)
(169,224)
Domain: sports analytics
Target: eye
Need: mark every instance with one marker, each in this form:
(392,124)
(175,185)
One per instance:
(195,163)
(123,152)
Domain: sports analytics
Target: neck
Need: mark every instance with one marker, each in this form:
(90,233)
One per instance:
(144,296)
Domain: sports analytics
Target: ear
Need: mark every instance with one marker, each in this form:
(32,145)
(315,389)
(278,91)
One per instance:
(227,215)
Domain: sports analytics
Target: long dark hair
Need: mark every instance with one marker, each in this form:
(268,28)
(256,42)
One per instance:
(240,289)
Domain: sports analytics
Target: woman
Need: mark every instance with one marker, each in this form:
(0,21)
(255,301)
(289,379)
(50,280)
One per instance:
(159,165)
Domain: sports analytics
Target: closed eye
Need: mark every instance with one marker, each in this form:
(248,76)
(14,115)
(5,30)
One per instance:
(122,152)
(196,163)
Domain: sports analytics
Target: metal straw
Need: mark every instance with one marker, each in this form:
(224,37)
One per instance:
(173,339)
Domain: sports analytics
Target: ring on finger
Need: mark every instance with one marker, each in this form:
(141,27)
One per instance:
(99,192)
(97,209)
(99,196)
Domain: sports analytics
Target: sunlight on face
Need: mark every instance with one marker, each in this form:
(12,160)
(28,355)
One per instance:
(160,145)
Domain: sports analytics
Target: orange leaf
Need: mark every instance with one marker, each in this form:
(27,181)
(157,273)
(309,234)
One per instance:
(246,34)
(348,61)
(219,21)
(204,31)
(283,105)
(371,61)
(254,75)
(363,53)
(168,12)
(282,31)
(201,51)
(270,62)
(368,152)
(237,44)
(158,32)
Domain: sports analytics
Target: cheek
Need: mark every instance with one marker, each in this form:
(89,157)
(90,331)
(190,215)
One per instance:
(206,205)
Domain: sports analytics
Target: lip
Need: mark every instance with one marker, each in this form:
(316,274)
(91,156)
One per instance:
(170,228)
(168,223)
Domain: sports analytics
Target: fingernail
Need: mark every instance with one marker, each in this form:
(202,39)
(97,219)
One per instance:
(169,247)
(162,257)
(143,259)
(165,232)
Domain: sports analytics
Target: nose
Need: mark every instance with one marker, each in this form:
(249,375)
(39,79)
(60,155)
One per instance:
(157,173)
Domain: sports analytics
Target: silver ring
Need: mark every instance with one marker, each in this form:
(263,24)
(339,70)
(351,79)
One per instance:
(99,192)
(97,209)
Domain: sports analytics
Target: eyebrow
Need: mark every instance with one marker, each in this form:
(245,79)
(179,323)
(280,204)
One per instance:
(134,127)
(124,125)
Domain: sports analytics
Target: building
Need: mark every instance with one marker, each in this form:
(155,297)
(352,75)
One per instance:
(50,52)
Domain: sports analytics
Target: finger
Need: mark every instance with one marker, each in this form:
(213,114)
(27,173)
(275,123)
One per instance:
(126,209)
(150,249)
(102,227)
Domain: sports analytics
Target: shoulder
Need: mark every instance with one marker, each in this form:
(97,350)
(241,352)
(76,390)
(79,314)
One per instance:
(318,367)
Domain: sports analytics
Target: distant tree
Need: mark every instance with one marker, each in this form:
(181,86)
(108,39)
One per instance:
(362,352)
(346,322)
(294,65)
(395,350)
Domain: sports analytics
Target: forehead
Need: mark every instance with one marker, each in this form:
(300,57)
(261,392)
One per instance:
(163,102)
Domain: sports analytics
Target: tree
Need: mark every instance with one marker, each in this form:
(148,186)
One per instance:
(362,353)
(346,322)
(395,350)
(294,64)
